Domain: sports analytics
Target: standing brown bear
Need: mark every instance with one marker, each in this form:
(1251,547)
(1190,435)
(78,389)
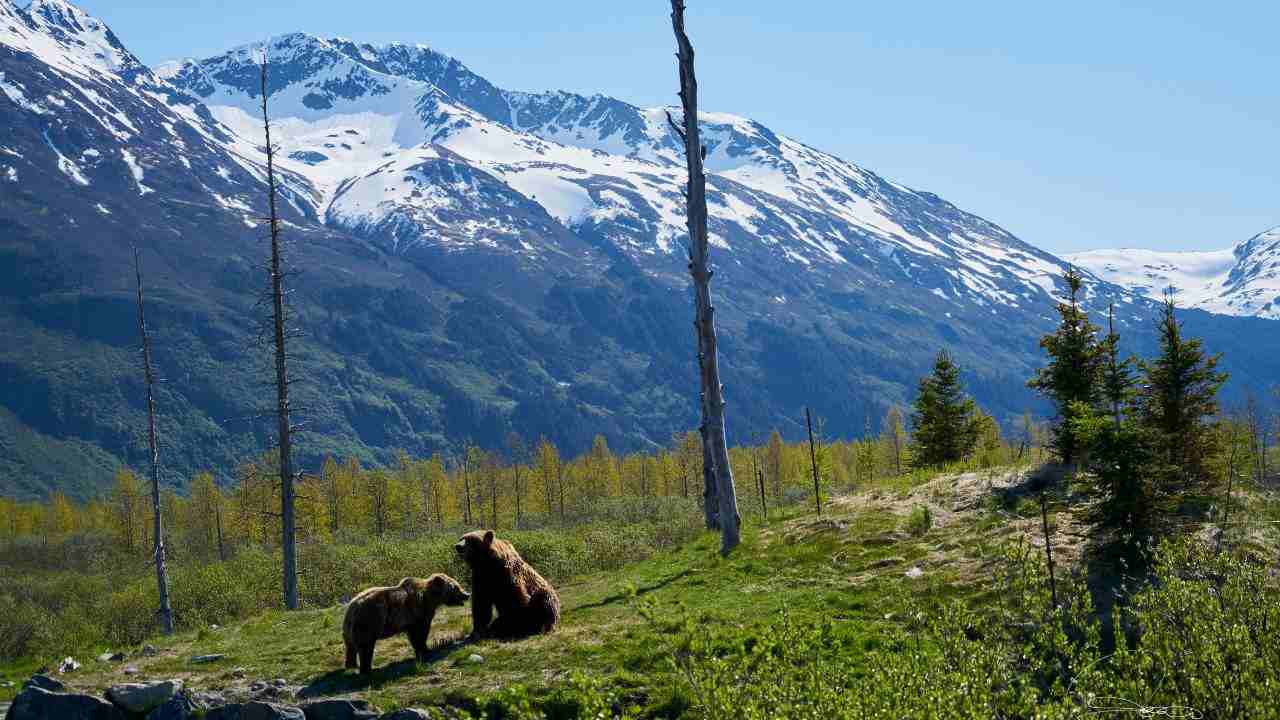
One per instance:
(500,578)
(381,612)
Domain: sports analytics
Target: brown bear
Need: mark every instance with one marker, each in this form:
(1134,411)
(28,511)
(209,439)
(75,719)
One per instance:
(500,578)
(381,612)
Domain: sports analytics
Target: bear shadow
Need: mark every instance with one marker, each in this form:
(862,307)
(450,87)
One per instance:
(346,680)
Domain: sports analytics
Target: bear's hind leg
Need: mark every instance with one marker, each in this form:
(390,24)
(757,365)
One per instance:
(366,659)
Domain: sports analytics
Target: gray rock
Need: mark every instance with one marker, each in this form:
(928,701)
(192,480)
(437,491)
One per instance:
(339,709)
(149,651)
(67,665)
(44,682)
(914,573)
(475,659)
(131,670)
(208,700)
(258,711)
(407,714)
(201,659)
(279,682)
(34,703)
(178,707)
(141,698)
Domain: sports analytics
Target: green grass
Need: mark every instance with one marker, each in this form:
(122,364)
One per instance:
(848,565)
(834,589)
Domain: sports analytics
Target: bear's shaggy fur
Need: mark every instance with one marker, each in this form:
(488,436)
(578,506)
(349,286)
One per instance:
(381,612)
(501,579)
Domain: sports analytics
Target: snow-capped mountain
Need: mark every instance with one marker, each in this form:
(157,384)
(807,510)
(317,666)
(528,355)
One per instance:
(370,128)
(474,261)
(1244,280)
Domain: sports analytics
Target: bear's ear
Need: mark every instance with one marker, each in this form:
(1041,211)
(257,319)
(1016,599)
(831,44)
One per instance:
(407,583)
(488,538)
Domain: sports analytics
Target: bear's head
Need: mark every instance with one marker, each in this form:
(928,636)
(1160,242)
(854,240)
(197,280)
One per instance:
(478,548)
(435,591)
(444,590)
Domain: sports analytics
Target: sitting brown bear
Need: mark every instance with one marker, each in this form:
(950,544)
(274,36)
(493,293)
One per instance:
(500,578)
(381,612)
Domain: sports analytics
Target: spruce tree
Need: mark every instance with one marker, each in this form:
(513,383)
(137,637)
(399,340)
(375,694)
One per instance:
(1121,478)
(1072,379)
(1179,393)
(945,421)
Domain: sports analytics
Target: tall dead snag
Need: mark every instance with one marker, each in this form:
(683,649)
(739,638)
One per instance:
(162,580)
(712,396)
(813,463)
(1048,549)
(284,429)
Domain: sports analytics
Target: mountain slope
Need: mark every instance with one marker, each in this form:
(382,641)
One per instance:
(1244,280)
(472,261)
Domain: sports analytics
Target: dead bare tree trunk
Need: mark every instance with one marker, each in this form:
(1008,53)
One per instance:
(162,580)
(813,462)
(217,514)
(755,467)
(1048,549)
(699,260)
(284,429)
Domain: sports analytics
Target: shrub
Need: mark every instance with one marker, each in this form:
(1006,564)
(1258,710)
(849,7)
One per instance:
(920,520)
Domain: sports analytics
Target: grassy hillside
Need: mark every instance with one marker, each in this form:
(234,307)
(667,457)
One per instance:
(855,599)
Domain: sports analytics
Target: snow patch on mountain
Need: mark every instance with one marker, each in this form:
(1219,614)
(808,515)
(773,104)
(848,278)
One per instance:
(1244,280)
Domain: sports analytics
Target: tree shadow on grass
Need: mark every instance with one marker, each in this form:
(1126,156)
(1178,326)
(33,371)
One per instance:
(619,597)
(344,680)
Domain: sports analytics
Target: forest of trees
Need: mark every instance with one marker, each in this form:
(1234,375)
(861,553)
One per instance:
(528,484)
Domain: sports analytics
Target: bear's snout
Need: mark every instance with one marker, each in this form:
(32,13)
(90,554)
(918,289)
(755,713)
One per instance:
(459,597)
(461,548)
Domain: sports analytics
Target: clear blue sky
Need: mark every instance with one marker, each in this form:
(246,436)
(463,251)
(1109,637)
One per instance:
(1074,125)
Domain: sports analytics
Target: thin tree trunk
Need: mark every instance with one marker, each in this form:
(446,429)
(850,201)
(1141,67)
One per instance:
(813,462)
(699,251)
(517,470)
(284,429)
(162,580)
(1048,549)
(217,514)
(755,467)
(466,487)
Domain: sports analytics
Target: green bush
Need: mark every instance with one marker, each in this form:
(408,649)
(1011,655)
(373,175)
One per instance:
(1204,645)
(920,520)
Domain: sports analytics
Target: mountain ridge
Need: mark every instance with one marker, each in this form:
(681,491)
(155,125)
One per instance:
(1242,280)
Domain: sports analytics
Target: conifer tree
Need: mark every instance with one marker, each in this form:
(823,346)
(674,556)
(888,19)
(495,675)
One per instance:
(945,421)
(1072,379)
(1179,392)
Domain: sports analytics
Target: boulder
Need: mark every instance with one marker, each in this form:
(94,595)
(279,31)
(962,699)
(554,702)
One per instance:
(44,682)
(255,711)
(406,714)
(141,698)
(34,703)
(178,707)
(206,700)
(339,709)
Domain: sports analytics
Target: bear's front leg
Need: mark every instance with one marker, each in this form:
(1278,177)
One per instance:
(481,615)
(418,639)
